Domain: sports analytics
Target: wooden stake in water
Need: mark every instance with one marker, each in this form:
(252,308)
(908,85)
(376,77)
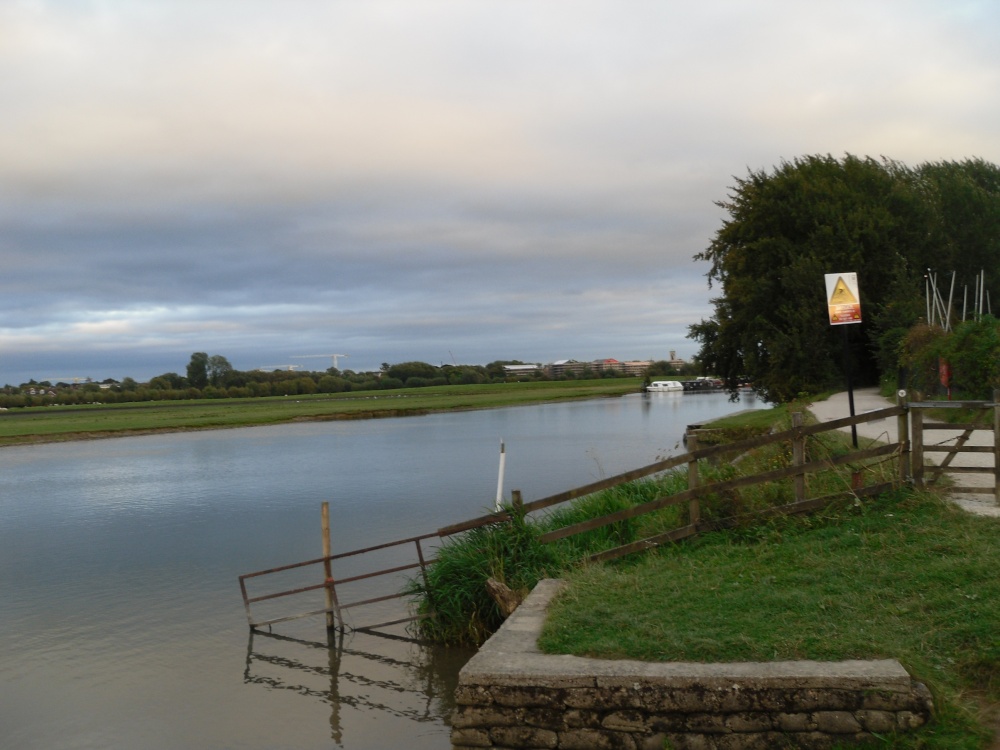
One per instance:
(327,568)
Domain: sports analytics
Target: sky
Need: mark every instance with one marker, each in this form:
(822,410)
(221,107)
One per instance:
(445,181)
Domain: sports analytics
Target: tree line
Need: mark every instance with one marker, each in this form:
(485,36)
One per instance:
(213,377)
(895,226)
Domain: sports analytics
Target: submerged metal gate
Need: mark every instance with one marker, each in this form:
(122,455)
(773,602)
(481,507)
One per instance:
(334,610)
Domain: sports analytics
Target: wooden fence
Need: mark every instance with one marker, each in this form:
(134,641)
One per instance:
(798,471)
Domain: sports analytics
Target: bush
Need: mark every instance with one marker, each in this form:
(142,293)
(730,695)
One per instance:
(455,591)
(922,351)
(973,352)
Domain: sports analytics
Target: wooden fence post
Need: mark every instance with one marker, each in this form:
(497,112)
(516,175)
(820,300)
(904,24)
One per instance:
(917,454)
(903,437)
(327,568)
(332,606)
(694,508)
(798,456)
(996,447)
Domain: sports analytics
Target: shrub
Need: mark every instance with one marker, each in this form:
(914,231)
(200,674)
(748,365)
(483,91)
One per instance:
(455,589)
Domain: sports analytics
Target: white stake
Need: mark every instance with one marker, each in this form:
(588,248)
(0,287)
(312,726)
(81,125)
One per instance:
(503,461)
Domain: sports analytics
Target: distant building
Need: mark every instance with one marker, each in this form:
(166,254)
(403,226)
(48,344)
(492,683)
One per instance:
(600,365)
(676,361)
(515,370)
(636,367)
(566,366)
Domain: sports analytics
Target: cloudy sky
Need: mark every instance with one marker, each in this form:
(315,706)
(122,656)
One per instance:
(454,180)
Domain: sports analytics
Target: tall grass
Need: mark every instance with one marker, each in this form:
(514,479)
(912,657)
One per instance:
(457,607)
(572,549)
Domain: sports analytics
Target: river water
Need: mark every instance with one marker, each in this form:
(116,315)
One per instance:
(121,619)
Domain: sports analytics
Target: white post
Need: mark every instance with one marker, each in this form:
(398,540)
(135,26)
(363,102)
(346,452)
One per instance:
(503,460)
(982,289)
(951,297)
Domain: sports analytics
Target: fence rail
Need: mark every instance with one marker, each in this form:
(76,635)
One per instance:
(911,467)
(330,584)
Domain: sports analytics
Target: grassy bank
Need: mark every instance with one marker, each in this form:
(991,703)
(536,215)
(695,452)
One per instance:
(905,576)
(54,423)
(512,553)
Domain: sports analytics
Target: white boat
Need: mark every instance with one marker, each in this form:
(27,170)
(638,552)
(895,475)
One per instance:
(660,386)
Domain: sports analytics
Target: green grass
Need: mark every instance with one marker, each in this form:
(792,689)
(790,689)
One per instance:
(906,576)
(747,424)
(47,424)
(572,549)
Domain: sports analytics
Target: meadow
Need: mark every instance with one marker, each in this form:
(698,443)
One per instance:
(80,422)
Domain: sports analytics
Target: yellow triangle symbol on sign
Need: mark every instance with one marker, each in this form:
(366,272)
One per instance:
(841,294)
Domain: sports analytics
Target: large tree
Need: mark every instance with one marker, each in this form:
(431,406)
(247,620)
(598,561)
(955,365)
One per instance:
(218,369)
(197,370)
(816,215)
(406,370)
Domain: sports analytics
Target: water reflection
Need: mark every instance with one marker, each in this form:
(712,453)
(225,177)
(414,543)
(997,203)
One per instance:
(383,674)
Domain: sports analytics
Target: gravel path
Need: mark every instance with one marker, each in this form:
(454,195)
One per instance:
(868,399)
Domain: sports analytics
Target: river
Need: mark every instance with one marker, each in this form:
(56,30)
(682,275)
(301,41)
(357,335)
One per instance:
(120,612)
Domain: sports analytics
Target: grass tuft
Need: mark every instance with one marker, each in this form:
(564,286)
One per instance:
(455,590)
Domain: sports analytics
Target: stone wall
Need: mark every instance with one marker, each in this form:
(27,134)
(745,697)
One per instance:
(512,696)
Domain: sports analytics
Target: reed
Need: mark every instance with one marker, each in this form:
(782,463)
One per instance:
(454,596)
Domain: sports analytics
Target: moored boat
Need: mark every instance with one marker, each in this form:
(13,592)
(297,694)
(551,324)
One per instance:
(662,386)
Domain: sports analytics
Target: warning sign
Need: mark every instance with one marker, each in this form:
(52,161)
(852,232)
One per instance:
(843,298)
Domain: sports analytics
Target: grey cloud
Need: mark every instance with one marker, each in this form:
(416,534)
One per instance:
(404,179)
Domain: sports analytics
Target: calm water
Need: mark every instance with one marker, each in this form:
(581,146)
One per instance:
(120,614)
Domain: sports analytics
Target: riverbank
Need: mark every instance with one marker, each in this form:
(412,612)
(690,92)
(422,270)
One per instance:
(57,424)
(906,576)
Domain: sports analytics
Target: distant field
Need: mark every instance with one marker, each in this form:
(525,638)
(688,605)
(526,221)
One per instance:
(55,423)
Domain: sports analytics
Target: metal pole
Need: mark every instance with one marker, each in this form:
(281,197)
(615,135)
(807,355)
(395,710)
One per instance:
(850,384)
(934,297)
(951,296)
(982,289)
(927,296)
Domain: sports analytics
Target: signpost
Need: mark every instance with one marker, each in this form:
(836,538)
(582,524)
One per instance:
(843,302)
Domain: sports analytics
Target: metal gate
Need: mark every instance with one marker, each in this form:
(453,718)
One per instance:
(975,441)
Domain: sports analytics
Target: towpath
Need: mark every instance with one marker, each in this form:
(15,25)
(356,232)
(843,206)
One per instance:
(869,399)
